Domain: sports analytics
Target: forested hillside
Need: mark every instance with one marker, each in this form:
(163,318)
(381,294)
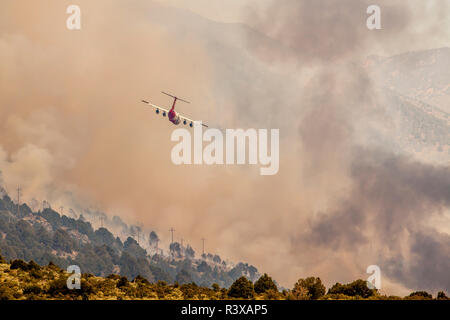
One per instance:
(46,236)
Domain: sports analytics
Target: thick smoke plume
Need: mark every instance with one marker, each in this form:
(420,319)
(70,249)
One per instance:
(73,130)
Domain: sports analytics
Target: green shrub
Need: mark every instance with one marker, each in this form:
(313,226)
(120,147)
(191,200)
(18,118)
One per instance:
(6,293)
(190,290)
(271,295)
(242,288)
(442,296)
(58,286)
(33,266)
(19,264)
(32,289)
(37,274)
(420,295)
(309,288)
(123,282)
(265,283)
(215,287)
(53,266)
(113,277)
(356,288)
(140,279)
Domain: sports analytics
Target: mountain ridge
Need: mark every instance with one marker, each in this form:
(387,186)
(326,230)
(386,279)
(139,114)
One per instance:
(46,236)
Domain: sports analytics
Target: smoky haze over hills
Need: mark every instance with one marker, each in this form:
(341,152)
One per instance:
(45,236)
(419,75)
(352,151)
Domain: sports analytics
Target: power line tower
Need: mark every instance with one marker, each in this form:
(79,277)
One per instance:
(172,230)
(61,210)
(19,192)
(182,242)
(203,246)
(45,205)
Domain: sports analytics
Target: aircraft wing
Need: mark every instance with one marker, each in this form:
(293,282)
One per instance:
(155,106)
(190,120)
(167,111)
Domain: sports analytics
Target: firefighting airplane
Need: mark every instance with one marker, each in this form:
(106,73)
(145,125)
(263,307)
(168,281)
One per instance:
(173,116)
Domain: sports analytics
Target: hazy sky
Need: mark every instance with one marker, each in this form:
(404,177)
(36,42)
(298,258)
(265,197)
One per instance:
(230,11)
(432,13)
(74,131)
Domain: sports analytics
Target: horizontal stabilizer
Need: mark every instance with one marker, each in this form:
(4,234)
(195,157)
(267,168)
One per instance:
(168,94)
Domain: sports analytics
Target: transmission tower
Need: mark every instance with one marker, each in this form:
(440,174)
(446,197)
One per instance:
(172,230)
(203,245)
(19,192)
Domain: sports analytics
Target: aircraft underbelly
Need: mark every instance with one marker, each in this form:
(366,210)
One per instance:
(176,120)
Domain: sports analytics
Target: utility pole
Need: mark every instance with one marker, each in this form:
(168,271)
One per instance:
(172,231)
(45,205)
(61,209)
(19,190)
(138,236)
(203,249)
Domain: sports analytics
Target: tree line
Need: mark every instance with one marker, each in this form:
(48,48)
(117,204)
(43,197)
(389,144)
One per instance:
(22,280)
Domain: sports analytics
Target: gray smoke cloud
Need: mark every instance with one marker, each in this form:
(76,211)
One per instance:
(386,210)
(329,31)
(389,200)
